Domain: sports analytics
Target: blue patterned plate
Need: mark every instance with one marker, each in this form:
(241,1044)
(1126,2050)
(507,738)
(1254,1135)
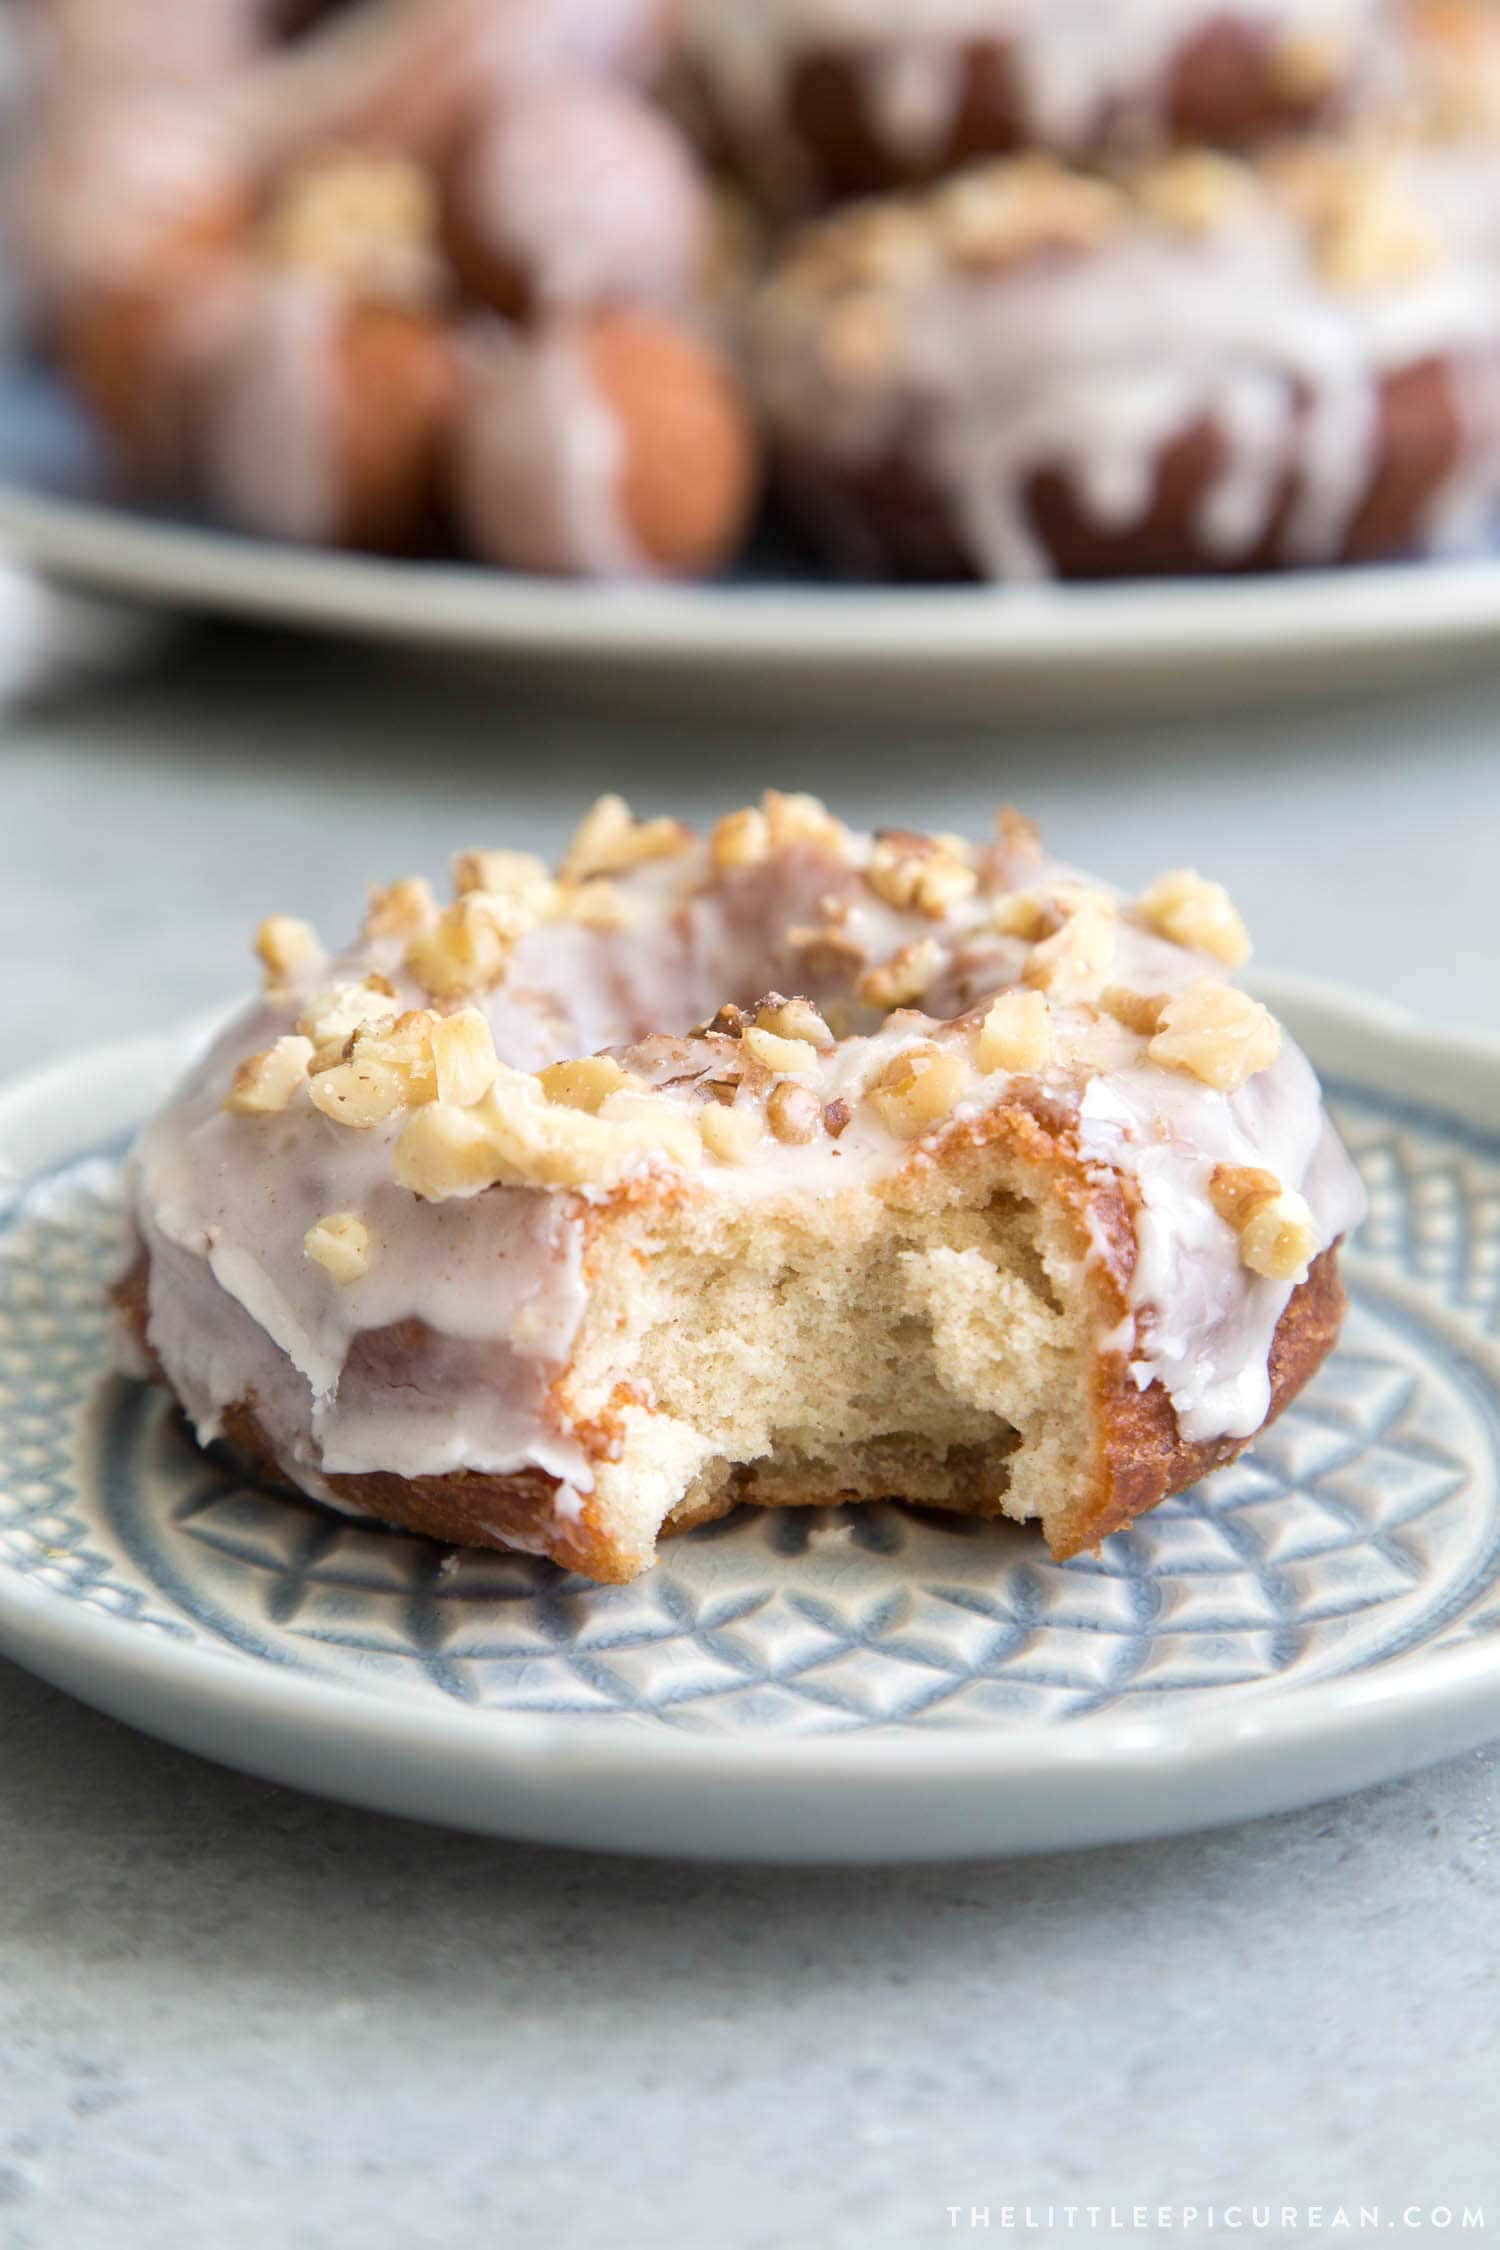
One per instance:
(842,1684)
(776,634)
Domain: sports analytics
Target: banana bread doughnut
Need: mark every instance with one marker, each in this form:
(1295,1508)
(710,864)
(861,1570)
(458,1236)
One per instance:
(616,445)
(1213,366)
(545,1219)
(819,98)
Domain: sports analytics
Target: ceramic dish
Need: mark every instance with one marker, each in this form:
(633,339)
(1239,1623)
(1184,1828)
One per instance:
(852,1685)
(771,638)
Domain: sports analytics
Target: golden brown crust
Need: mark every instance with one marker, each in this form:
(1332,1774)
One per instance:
(689,472)
(399,396)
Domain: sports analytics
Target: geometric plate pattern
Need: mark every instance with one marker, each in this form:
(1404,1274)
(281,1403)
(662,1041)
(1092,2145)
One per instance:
(1365,1526)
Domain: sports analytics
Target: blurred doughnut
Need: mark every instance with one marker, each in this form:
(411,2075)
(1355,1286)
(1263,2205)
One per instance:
(612,446)
(574,195)
(1031,370)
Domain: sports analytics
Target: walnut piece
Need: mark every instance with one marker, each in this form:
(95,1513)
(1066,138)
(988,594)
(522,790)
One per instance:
(903,980)
(519,876)
(516,1137)
(1139,1011)
(1278,1234)
(401,909)
(611,840)
(794,1019)
(463,1057)
(918,1089)
(360,1093)
(921,874)
(468,948)
(284,946)
(803,819)
(1073,963)
(332,1017)
(775,1053)
(586,1084)
(1216,1033)
(1195,191)
(1185,907)
(740,839)
(734,1136)
(995,214)
(366,222)
(794,1114)
(342,1245)
(1016,1034)
(264,1084)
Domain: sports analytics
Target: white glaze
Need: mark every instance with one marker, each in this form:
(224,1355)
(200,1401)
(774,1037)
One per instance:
(270,430)
(224,1202)
(540,457)
(1085,69)
(1089,365)
(591,195)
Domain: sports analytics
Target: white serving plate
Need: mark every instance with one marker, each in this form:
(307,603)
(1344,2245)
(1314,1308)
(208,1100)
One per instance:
(771,638)
(850,1685)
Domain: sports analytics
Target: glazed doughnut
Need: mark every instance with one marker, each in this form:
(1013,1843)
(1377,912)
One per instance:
(819,98)
(572,195)
(329,422)
(616,445)
(545,1220)
(1032,370)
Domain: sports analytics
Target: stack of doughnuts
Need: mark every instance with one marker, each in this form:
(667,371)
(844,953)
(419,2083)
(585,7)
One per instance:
(998,288)
(431,272)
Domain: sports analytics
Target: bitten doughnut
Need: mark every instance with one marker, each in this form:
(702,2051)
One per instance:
(794,1166)
(834,97)
(573,195)
(612,446)
(1210,367)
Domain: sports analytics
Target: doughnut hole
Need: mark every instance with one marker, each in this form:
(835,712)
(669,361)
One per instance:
(573,196)
(331,423)
(614,446)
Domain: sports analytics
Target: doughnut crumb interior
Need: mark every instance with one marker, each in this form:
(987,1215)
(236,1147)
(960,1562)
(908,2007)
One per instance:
(787,1165)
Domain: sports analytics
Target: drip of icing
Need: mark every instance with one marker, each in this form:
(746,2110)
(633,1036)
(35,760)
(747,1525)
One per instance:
(1091,365)
(271,440)
(1081,67)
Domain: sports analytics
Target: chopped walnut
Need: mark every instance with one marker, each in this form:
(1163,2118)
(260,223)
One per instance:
(586,1084)
(860,337)
(1185,907)
(342,1245)
(406,1047)
(1024,914)
(922,874)
(1367,232)
(778,1054)
(331,1018)
(734,1136)
(1139,1011)
(1017,835)
(265,1084)
(803,819)
(1195,191)
(366,222)
(519,876)
(468,948)
(794,1019)
(286,945)
(647,1124)
(918,1089)
(360,1093)
(445,1152)
(836,1117)
(903,980)
(996,214)
(794,1114)
(1278,1235)
(598,904)
(611,840)
(463,1057)
(1216,1033)
(1016,1034)
(1074,961)
(516,1137)
(740,839)
(401,909)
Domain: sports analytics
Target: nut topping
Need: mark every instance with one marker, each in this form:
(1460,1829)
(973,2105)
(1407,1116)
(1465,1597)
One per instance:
(463,1057)
(286,945)
(903,980)
(611,840)
(341,1245)
(919,1089)
(775,1053)
(1016,1034)
(586,1084)
(1216,1033)
(401,909)
(265,1084)
(1278,1235)
(794,1114)
(734,1136)
(1185,907)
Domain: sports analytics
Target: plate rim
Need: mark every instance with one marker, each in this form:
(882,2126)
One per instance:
(1125,625)
(1140,1762)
